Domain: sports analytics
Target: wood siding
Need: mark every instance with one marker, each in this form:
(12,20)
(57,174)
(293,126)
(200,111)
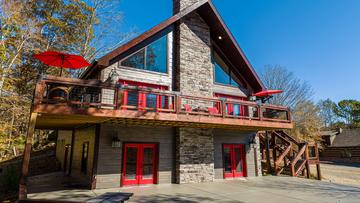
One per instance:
(63,139)
(228,90)
(81,136)
(110,159)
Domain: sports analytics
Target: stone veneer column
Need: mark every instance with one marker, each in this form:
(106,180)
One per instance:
(179,5)
(194,147)
(194,155)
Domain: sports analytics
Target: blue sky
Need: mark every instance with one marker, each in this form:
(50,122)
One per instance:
(318,40)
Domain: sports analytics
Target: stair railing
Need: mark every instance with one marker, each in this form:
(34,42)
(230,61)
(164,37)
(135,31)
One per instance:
(297,156)
(281,157)
(295,169)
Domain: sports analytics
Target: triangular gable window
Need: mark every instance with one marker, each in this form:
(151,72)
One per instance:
(136,60)
(222,73)
(152,57)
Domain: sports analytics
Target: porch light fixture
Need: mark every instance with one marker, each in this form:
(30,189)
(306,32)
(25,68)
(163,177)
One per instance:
(113,75)
(220,37)
(252,141)
(252,98)
(115,143)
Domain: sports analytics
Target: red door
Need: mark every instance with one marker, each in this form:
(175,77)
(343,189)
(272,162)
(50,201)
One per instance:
(139,164)
(234,160)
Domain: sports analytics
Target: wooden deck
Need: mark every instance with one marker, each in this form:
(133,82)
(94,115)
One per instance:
(84,102)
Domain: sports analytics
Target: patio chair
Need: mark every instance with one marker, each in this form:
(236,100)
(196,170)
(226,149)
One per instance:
(213,110)
(187,108)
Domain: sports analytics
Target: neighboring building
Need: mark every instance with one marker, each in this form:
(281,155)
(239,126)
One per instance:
(329,136)
(170,106)
(341,145)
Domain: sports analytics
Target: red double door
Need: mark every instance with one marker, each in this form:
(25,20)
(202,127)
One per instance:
(234,158)
(139,164)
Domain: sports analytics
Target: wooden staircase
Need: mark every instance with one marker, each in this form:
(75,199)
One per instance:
(284,155)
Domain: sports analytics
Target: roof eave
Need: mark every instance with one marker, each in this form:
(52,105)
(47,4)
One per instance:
(204,4)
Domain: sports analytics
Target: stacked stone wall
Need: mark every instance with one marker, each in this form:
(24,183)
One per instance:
(194,147)
(195,155)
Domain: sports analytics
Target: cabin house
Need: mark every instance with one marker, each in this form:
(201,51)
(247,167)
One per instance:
(341,145)
(174,105)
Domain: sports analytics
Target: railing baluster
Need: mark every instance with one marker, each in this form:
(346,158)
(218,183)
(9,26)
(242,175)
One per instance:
(116,93)
(289,115)
(307,161)
(223,108)
(39,92)
(260,114)
(178,103)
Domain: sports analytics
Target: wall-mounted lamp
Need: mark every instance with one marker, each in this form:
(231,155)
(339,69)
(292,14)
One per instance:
(113,76)
(252,141)
(115,143)
(252,98)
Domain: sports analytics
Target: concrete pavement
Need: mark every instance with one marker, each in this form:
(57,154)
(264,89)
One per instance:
(263,189)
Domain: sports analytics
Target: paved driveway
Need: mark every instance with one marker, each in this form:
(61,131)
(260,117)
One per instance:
(266,189)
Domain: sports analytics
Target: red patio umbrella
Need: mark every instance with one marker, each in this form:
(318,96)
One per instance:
(62,60)
(266,93)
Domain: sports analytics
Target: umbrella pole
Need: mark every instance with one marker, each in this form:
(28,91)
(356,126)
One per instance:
(62,64)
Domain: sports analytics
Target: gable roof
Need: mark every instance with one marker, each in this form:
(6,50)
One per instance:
(210,15)
(347,138)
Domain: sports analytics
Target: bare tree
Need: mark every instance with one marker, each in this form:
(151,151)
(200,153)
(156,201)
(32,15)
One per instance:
(102,27)
(297,95)
(295,90)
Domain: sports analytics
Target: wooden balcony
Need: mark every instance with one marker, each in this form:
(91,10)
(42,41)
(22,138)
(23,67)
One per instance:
(65,103)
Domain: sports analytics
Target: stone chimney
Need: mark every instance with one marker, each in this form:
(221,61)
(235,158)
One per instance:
(193,53)
(193,70)
(179,5)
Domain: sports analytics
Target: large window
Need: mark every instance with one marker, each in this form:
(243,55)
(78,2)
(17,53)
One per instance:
(153,57)
(222,73)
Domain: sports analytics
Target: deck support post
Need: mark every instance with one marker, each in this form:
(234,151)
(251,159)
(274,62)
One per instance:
(71,151)
(268,163)
(307,165)
(274,155)
(318,171)
(96,156)
(26,157)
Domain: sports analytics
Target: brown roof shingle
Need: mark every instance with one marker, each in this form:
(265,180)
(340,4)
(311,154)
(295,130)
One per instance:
(348,138)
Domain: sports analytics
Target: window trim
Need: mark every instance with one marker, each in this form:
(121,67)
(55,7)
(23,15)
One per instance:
(145,54)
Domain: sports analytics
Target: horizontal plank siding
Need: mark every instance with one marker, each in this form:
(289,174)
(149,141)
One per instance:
(110,158)
(341,154)
(81,136)
(63,139)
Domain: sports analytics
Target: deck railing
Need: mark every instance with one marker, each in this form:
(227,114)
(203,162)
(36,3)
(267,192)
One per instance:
(95,94)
